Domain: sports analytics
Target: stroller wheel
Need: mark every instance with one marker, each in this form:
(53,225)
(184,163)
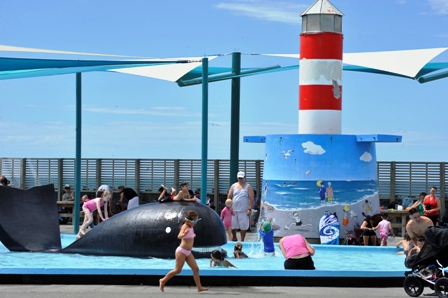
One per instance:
(413,286)
(441,287)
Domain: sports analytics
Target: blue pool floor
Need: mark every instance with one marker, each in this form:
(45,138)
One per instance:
(330,261)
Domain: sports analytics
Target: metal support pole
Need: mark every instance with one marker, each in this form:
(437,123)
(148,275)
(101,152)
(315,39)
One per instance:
(77,192)
(204,155)
(235,118)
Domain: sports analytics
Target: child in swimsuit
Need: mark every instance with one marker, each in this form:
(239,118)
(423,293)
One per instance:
(405,243)
(217,260)
(90,207)
(226,217)
(238,251)
(183,252)
(183,194)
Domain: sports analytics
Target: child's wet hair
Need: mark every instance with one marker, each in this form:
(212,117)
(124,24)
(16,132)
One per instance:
(406,237)
(183,184)
(191,215)
(216,254)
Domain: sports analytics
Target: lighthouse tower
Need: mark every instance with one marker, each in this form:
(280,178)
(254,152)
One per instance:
(320,183)
(320,85)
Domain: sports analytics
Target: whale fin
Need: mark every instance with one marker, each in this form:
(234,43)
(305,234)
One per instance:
(29,219)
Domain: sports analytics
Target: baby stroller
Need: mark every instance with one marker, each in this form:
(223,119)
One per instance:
(427,266)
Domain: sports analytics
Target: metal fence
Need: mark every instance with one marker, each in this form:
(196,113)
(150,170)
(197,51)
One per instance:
(395,179)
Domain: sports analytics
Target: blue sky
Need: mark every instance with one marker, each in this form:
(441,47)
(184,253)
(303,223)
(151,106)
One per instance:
(127,116)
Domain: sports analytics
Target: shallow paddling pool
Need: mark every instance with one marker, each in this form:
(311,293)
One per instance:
(335,265)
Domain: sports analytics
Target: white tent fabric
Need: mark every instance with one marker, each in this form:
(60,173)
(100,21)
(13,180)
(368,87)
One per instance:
(169,72)
(6,48)
(406,62)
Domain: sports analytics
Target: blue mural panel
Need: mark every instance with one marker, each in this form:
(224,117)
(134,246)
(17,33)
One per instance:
(309,177)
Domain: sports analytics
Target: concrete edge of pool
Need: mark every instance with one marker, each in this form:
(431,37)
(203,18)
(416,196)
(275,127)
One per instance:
(210,277)
(206,280)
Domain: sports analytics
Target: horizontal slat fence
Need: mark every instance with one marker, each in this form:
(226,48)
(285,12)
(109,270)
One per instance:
(395,179)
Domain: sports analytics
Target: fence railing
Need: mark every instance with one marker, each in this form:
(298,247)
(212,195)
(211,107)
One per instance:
(395,179)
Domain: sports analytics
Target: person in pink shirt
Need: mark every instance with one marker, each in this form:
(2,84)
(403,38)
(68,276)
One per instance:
(226,216)
(297,252)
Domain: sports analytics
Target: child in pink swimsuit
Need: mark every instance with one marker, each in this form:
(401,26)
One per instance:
(183,252)
(92,205)
(385,227)
(226,216)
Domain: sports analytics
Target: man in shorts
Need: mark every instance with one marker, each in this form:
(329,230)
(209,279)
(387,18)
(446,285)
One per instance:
(242,195)
(417,225)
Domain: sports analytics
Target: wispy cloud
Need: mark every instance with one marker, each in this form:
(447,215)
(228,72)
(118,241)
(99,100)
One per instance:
(440,35)
(439,6)
(155,111)
(272,11)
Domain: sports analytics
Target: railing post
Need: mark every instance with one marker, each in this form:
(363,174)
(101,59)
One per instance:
(23,173)
(98,174)
(392,182)
(60,177)
(216,184)
(137,176)
(442,189)
(176,174)
(258,177)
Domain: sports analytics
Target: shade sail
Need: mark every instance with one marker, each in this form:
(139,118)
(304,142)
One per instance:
(406,63)
(412,64)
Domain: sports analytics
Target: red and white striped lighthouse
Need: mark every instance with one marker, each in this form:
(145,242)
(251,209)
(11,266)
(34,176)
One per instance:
(320,90)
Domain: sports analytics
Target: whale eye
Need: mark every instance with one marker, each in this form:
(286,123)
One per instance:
(168,230)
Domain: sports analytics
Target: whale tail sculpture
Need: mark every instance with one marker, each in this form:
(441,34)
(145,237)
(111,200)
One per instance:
(29,219)
(149,230)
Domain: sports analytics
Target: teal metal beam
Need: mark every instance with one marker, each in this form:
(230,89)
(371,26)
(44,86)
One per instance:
(204,155)
(77,191)
(433,77)
(235,118)
(228,76)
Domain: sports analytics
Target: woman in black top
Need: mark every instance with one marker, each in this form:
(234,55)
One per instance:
(368,232)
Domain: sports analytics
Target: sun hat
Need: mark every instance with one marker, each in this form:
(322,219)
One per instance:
(240,175)
(67,186)
(266,226)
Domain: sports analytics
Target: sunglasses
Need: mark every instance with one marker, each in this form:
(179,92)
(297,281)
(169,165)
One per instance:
(193,220)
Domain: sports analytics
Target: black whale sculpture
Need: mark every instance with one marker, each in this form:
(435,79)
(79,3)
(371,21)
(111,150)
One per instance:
(149,230)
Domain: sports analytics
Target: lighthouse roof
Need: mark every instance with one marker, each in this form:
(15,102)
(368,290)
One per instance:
(322,7)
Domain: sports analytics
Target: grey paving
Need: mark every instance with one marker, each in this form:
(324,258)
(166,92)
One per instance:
(101,291)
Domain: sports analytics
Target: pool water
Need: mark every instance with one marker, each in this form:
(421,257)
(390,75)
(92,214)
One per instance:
(328,260)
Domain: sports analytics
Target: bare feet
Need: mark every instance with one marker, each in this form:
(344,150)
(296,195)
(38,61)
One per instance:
(162,285)
(164,187)
(201,289)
